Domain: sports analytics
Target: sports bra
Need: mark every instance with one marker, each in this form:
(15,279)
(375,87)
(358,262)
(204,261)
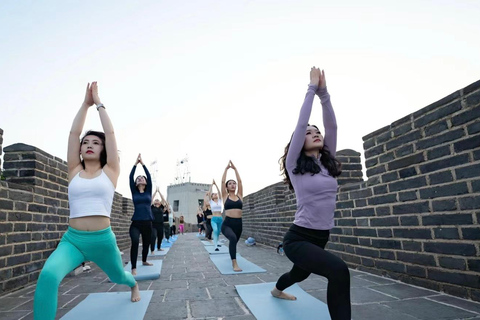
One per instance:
(90,197)
(216,207)
(230,204)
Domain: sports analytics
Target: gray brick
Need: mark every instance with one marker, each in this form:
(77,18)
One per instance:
(417,207)
(452,189)
(446,233)
(460,249)
(438,152)
(406,162)
(447,219)
(452,263)
(444,163)
(412,183)
(416,258)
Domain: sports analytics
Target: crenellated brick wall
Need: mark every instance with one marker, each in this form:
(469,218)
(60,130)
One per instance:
(34,213)
(417,216)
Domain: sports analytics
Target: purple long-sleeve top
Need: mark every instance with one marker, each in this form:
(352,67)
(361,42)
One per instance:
(315,193)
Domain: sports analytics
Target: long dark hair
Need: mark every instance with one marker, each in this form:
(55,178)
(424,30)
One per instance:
(308,164)
(101,136)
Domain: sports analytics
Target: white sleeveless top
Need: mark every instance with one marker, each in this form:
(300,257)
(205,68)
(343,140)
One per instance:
(216,207)
(90,197)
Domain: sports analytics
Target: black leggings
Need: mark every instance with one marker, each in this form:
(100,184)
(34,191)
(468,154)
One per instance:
(208,229)
(305,248)
(145,229)
(157,235)
(166,230)
(232,229)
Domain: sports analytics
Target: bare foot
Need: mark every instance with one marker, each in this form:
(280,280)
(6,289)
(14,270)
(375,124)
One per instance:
(236,268)
(153,252)
(135,293)
(161,249)
(134,272)
(146,263)
(282,295)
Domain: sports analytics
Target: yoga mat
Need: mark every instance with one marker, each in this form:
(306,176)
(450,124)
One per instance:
(146,272)
(207,243)
(224,264)
(221,250)
(173,238)
(157,253)
(110,305)
(166,244)
(264,306)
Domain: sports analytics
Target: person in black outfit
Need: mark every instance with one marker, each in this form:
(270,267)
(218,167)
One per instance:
(157,231)
(166,222)
(141,189)
(200,220)
(207,213)
(233,205)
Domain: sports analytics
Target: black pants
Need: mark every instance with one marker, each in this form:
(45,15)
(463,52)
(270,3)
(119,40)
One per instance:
(173,230)
(166,230)
(157,235)
(305,248)
(232,229)
(138,228)
(208,229)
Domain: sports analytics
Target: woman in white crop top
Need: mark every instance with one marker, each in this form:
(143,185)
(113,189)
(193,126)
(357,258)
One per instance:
(93,170)
(216,218)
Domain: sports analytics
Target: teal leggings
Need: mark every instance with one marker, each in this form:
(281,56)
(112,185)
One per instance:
(216,226)
(76,247)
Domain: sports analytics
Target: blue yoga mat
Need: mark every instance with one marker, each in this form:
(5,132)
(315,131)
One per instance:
(211,249)
(207,243)
(146,272)
(166,244)
(224,264)
(264,306)
(110,305)
(157,253)
(173,238)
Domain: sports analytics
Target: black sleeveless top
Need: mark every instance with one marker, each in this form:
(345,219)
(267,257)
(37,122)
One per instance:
(230,204)
(207,213)
(157,214)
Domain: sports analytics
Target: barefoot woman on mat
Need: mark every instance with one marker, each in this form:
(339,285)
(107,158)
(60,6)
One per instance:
(93,170)
(310,168)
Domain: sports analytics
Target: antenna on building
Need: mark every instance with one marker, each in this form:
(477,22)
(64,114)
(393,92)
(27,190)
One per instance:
(183,171)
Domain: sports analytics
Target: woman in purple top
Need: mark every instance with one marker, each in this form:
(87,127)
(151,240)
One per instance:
(310,168)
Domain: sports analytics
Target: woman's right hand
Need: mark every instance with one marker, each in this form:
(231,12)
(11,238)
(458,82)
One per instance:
(139,159)
(88,101)
(315,76)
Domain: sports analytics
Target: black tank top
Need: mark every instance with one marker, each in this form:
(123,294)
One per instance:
(230,204)
(207,213)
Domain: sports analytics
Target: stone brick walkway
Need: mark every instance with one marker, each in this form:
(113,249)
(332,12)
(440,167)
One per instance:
(190,287)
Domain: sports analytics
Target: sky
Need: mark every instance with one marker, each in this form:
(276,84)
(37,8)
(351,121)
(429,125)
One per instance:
(213,81)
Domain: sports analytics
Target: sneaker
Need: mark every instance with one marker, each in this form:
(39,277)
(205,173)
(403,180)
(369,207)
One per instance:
(86,268)
(217,249)
(218,245)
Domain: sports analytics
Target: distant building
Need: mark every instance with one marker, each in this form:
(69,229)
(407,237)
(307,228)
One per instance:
(185,199)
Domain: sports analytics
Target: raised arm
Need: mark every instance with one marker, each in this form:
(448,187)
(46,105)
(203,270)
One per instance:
(329,119)
(224,179)
(154,194)
(298,138)
(218,190)
(73,153)
(239,181)
(133,187)
(164,202)
(112,168)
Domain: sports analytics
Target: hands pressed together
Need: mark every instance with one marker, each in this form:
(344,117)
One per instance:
(317,77)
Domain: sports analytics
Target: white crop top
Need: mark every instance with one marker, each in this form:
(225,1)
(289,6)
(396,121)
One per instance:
(90,197)
(216,207)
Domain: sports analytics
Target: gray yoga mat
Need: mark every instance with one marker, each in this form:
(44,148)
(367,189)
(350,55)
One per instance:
(110,305)
(223,263)
(211,249)
(264,306)
(146,272)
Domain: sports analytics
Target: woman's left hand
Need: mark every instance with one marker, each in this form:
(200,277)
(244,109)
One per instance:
(96,98)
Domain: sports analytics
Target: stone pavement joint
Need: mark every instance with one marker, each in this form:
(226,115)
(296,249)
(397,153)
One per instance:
(190,287)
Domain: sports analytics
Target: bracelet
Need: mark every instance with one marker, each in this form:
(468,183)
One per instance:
(100,105)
